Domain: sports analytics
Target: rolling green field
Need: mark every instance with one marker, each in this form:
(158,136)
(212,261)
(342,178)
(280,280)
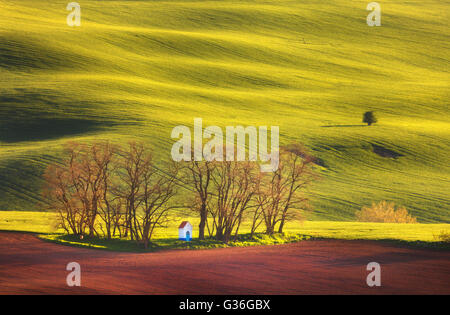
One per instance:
(136,69)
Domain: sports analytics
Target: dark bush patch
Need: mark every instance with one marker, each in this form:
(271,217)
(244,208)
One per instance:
(384,152)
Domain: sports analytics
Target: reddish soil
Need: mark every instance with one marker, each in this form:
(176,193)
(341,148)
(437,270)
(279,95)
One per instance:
(31,266)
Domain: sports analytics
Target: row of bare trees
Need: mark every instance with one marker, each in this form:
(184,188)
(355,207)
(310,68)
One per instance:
(227,193)
(106,190)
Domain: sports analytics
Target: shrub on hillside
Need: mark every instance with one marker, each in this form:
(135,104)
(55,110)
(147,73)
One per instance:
(385,212)
(369,118)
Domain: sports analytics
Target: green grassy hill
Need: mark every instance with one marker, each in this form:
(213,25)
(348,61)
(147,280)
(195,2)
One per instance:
(136,69)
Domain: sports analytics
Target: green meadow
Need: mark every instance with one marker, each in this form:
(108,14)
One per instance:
(136,69)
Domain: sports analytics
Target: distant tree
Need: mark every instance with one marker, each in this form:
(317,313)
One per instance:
(369,118)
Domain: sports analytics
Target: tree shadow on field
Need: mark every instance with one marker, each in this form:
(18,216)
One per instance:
(330,126)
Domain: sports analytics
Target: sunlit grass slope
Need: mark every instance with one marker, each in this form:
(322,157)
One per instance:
(45,223)
(136,69)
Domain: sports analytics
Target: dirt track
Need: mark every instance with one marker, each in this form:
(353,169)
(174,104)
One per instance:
(31,266)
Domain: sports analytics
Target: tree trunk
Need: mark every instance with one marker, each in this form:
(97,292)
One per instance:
(280,229)
(108,226)
(201,226)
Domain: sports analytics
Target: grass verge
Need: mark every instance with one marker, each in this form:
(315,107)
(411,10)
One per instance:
(121,245)
(414,235)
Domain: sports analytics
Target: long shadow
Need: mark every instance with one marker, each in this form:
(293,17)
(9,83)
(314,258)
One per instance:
(328,126)
(389,257)
(35,128)
(22,53)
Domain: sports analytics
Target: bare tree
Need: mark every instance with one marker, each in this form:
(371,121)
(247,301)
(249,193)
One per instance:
(256,213)
(234,186)
(60,197)
(135,160)
(280,198)
(144,191)
(157,192)
(198,176)
(105,189)
(102,155)
(75,187)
